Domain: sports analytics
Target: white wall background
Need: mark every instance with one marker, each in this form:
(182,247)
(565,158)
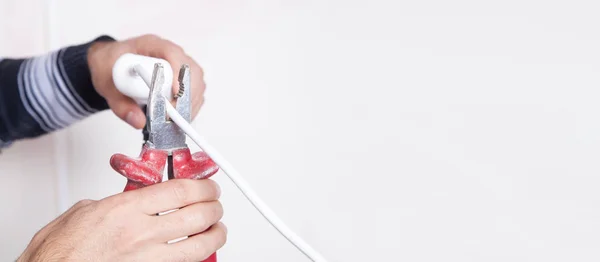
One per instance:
(27,194)
(379,130)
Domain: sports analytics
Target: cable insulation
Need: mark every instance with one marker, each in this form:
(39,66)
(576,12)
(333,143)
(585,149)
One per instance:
(243,186)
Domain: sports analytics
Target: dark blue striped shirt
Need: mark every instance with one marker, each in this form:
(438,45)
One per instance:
(45,93)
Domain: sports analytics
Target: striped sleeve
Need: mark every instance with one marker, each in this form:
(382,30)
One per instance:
(42,94)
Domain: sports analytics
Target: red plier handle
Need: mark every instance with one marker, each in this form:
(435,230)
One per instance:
(149,167)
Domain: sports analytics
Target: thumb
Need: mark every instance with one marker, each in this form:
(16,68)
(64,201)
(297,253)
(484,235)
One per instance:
(128,110)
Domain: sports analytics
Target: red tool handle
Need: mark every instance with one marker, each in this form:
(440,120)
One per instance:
(148,169)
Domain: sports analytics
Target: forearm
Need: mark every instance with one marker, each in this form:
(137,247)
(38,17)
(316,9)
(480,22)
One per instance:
(42,94)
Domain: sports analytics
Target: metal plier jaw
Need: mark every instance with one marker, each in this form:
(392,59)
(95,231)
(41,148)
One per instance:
(166,141)
(163,133)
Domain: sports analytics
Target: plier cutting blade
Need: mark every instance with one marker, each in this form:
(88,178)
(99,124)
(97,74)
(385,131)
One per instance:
(166,142)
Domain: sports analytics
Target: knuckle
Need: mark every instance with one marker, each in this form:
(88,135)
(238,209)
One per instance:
(82,209)
(196,69)
(183,256)
(200,219)
(203,219)
(189,219)
(148,197)
(125,240)
(174,48)
(149,37)
(39,236)
(121,49)
(211,189)
(129,235)
(182,189)
(221,231)
(127,197)
(200,248)
(115,209)
(110,216)
(179,256)
(123,200)
(200,71)
(83,203)
(223,234)
(90,208)
(139,238)
(207,215)
(217,189)
(218,210)
(222,238)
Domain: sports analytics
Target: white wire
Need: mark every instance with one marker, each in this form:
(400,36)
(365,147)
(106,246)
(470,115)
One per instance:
(244,187)
(235,177)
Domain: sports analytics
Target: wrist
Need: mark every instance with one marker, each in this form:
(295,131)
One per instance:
(93,50)
(96,61)
(78,72)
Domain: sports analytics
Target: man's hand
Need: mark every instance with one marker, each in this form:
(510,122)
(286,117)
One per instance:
(103,55)
(124,227)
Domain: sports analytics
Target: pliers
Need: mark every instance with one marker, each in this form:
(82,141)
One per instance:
(165,142)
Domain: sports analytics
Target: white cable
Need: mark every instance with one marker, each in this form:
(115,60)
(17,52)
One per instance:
(244,187)
(125,76)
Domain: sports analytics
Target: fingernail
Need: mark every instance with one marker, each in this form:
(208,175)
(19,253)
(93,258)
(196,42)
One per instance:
(135,120)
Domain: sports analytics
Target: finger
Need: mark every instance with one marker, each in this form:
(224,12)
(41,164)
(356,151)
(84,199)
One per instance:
(124,107)
(176,193)
(79,205)
(190,220)
(155,46)
(152,45)
(128,110)
(198,247)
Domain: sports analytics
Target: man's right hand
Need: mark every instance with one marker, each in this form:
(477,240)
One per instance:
(124,227)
